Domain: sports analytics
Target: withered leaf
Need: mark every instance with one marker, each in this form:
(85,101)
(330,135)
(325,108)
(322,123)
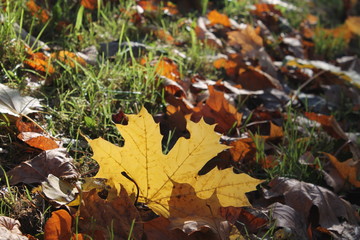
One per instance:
(97,214)
(36,170)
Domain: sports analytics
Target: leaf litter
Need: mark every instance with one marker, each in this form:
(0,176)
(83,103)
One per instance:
(262,68)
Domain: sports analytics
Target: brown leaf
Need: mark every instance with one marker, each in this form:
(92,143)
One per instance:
(38,140)
(286,216)
(328,123)
(159,228)
(248,40)
(303,196)
(191,214)
(206,36)
(219,111)
(10,229)
(37,169)
(237,214)
(118,213)
(348,170)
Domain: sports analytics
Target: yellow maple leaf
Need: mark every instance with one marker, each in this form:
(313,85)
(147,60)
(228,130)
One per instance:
(142,159)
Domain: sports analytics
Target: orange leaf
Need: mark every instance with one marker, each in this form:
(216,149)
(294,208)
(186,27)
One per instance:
(37,11)
(68,58)
(348,170)
(38,140)
(328,123)
(221,111)
(167,68)
(58,226)
(164,35)
(217,18)
(89,4)
(353,24)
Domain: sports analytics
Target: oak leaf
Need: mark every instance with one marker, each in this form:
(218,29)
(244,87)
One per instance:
(142,159)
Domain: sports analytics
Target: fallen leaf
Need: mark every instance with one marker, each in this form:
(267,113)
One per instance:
(192,214)
(159,228)
(328,123)
(36,170)
(217,108)
(69,58)
(38,61)
(12,103)
(89,4)
(97,215)
(58,191)
(218,18)
(205,35)
(38,140)
(58,226)
(353,22)
(348,170)
(40,13)
(241,215)
(302,196)
(142,160)
(287,217)
(10,229)
(248,40)
(167,68)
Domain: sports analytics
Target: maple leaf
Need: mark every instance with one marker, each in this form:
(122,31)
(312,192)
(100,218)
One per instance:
(141,158)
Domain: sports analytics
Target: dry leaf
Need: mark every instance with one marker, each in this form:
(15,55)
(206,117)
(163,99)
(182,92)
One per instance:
(38,140)
(353,22)
(37,169)
(59,191)
(159,228)
(89,4)
(40,13)
(192,214)
(12,103)
(217,18)
(10,229)
(248,40)
(97,215)
(217,108)
(69,58)
(348,170)
(303,196)
(58,226)
(142,160)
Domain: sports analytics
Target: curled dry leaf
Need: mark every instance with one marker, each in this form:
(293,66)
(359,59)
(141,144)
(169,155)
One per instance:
(12,103)
(287,217)
(58,191)
(10,229)
(36,170)
(142,159)
(118,212)
(205,35)
(303,197)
